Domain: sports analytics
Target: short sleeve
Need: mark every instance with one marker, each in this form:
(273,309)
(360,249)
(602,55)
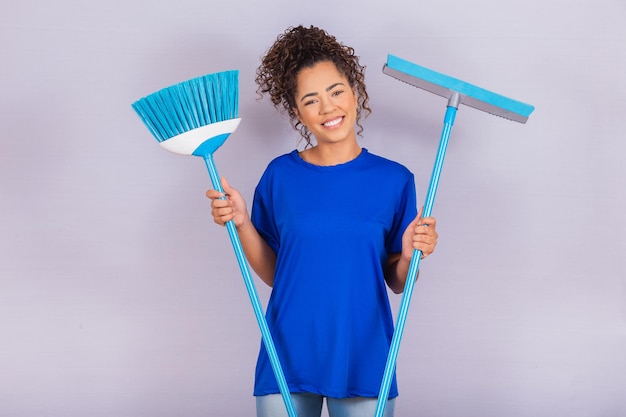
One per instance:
(405,212)
(262,215)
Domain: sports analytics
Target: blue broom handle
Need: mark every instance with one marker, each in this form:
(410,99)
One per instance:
(254,298)
(392,357)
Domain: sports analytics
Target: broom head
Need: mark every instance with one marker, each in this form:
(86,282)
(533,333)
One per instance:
(446,86)
(194,117)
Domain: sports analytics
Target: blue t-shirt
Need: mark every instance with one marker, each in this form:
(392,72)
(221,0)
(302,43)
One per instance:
(332,228)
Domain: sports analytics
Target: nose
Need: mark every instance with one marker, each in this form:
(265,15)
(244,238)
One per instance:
(327,105)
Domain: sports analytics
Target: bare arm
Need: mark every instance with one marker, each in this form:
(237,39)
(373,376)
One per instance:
(396,271)
(259,254)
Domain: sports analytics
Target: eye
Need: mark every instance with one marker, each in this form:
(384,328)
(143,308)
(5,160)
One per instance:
(338,92)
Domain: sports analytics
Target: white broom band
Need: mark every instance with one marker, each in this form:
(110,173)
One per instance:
(186,143)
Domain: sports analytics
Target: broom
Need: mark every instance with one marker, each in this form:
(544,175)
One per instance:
(456,92)
(195,117)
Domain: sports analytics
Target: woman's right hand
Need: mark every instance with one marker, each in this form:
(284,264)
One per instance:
(233,207)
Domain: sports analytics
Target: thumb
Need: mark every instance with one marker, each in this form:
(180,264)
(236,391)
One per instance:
(419,213)
(226,186)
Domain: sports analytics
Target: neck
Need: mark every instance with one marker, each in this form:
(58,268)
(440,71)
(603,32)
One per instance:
(331,154)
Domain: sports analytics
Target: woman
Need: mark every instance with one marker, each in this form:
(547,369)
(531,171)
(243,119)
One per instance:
(331,226)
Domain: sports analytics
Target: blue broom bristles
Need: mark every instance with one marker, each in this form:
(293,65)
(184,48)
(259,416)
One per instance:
(190,104)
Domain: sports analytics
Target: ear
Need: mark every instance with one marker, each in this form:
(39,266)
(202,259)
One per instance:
(297,113)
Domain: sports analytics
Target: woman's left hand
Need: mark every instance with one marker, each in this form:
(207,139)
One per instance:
(421,234)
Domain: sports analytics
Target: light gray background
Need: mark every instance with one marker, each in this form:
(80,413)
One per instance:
(119,296)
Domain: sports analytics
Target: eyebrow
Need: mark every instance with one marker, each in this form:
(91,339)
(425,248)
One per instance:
(330,87)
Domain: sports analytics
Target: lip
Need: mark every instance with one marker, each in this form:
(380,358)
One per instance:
(332,123)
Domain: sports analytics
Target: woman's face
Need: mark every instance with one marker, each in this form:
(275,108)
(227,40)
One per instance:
(326,103)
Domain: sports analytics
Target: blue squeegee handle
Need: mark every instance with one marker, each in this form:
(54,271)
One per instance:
(254,298)
(390,367)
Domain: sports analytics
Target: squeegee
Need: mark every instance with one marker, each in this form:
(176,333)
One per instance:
(456,92)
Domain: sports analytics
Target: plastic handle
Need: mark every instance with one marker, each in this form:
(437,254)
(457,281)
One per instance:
(254,297)
(392,357)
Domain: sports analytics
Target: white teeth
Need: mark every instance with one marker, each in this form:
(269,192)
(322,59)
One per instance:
(333,122)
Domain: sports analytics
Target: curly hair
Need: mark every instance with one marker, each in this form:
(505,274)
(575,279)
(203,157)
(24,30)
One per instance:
(298,48)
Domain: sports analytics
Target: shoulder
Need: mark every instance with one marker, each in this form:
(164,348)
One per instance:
(280,167)
(390,166)
(282,161)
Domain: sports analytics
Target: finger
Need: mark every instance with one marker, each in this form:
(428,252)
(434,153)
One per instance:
(222,218)
(423,231)
(426,232)
(430,221)
(222,211)
(425,242)
(214,194)
(226,211)
(218,204)
(221,221)
(426,249)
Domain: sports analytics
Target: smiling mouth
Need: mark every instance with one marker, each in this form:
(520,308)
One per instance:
(333,122)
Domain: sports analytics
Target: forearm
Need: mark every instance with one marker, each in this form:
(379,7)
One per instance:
(259,254)
(396,272)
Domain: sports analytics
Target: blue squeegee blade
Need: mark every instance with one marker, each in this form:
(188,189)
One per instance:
(445,86)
